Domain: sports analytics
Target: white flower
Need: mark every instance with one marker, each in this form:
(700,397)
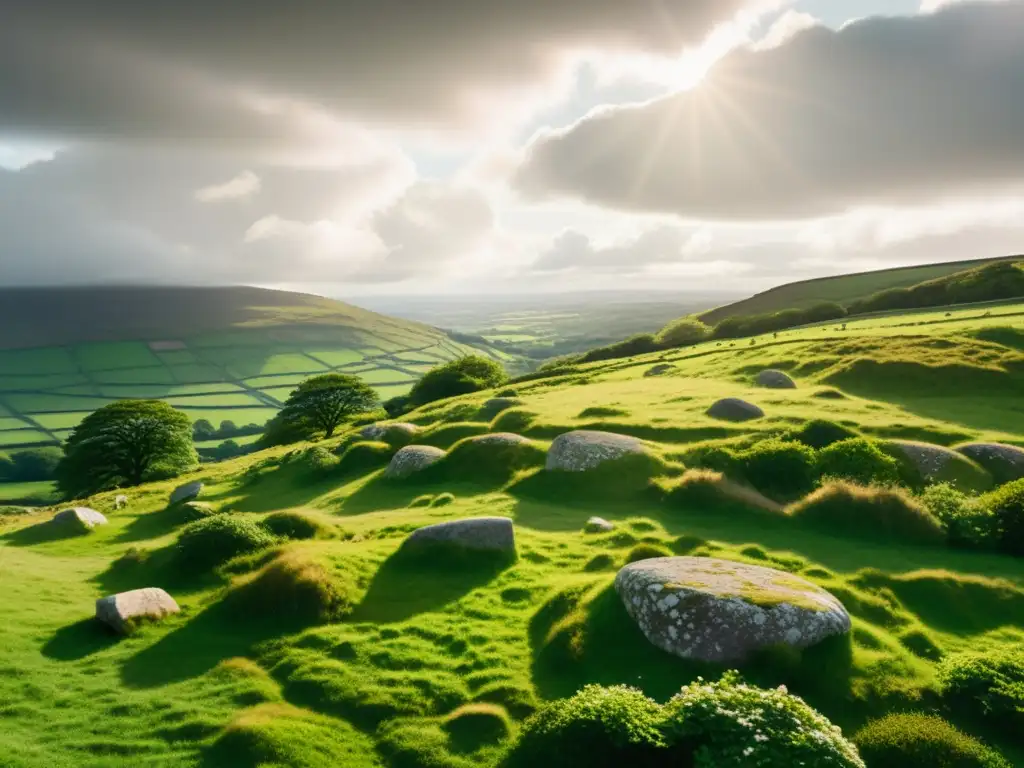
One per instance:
(748,751)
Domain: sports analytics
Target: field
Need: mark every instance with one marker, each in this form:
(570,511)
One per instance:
(841,289)
(36,494)
(240,371)
(245,677)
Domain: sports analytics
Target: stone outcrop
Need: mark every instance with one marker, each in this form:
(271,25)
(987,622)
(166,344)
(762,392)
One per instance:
(398,431)
(1005,462)
(125,611)
(412,459)
(585,450)
(721,611)
(598,525)
(771,379)
(186,492)
(485,534)
(734,409)
(79,518)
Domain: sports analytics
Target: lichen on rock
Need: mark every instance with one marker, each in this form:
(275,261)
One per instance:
(583,450)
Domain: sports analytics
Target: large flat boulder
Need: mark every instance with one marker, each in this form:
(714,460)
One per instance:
(186,492)
(720,611)
(413,459)
(772,379)
(79,518)
(584,450)
(486,534)
(1005,462)
(735,409)
(125,611)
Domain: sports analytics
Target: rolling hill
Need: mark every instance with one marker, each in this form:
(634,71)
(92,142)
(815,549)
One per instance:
(841,288)
(216,353)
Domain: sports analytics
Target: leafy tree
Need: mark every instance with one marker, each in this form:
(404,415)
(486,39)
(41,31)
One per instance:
(319,406)
(228,428)
(458,377)
(203,430)
(6,468)
(35,464)
(684,332)
(126,443)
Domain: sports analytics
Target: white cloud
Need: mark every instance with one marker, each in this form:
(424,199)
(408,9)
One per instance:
(243,185)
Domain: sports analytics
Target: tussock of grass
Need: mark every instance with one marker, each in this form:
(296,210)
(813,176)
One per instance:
(844,509)
(703,490)
(922,741)
(296,526)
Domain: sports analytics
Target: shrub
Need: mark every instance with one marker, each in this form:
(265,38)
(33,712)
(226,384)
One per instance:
(597,728)
(820,433)
(646,552)
(849,510)
(291,589)
(1007,506)
(705,489)
(458,377)
(779,468)
(215,540)
(317,461)
(295,525)
(922,741)
(968,522)
(859,461)
(684,332)
(730,723)
(714,457)
(987,686)
(443,500)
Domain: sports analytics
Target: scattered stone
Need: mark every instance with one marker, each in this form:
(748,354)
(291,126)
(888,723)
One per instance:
(81,518)
(775,380)
(583,450)
(120,501)
(1005,462)
(186,492)
(125,611)
(598,525)
(720,611)
(659,370)
(929,460)
(380,432)
(497,405)
(498,438)
(734,409)
(413,459)
(489,534)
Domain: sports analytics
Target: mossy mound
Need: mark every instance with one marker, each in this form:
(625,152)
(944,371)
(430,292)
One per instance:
(1004,462)
(821,433)
(491,459)
(618,479)
(448,435)
(283,735)
(987,687)
(515,420)
(297,526)
(922,741)
(208,543)
(490,409)
(844,509)
(701,490)
(292,590)
(473,726)
(363,457)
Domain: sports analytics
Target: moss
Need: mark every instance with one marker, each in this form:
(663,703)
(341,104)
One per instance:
(296,526)
(922,741)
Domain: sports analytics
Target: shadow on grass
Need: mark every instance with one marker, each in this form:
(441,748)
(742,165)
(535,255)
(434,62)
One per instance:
(79,640)
(415,581)
(41,533)
(282,488)
(154,525)
(140,568)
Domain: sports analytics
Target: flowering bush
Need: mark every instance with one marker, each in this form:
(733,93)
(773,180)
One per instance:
(730,723)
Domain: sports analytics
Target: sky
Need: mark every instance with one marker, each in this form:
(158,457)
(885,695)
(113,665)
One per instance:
(482,146)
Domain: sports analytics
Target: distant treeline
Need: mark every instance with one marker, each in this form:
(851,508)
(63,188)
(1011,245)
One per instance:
(993,282)
(203,430)
(29,465)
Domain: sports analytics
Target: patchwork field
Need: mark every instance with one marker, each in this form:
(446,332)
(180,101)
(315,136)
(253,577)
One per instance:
(242,372)
(325,644)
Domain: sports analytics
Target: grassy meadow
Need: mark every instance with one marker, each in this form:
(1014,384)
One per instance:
(331,648)
(237,363)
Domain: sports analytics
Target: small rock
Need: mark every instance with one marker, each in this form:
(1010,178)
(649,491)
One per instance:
(1005,462)
(659,370)
(413,459)
(186,492)
(775,380)
(120,501)
(734,409)
(721,611)
(490,534)
(125,611)
(82,518)
(498,438)
(586,449)
(598,525)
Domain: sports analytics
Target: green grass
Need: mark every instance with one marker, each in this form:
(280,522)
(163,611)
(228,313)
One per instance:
(398,681)
(39,493)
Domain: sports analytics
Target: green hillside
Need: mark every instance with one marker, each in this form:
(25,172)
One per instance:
(215,353)
(314,636)
(842,289)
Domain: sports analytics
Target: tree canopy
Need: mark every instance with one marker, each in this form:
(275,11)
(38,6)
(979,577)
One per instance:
(458,377)
(123,444)
(318,406)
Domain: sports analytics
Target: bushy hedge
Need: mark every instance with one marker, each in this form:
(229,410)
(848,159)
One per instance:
(1007,507)
(987,686)
(859,461)
(922,741)
(458,377)
(684,332)
(727,724)
(968,522)
(778,468)
(215,540)
(755,325)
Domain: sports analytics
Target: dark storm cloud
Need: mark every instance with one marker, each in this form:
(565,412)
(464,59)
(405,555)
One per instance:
(887,111)
(174,70)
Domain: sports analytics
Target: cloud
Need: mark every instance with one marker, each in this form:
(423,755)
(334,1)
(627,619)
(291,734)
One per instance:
(667,244)
(244,184)
(886,111)
(205,71)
